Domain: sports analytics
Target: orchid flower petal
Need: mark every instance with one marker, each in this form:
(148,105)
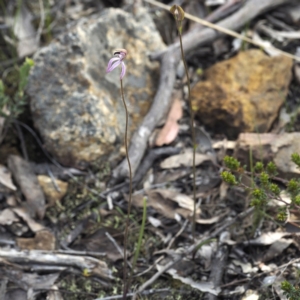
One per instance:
(123,71)
(110,63)
(116,60)
(113,66)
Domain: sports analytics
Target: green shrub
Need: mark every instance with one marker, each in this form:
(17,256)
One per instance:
(12,107)
(262,191)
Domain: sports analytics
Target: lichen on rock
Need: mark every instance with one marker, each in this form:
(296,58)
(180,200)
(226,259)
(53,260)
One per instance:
(76,106)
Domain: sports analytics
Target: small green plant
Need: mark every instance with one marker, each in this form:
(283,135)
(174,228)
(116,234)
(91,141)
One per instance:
(262,192)
(296,159)
(12,107)
(290,291)
(178,14)
(231,163)
(229,178)
(141,234)
(259,166)
(263,189)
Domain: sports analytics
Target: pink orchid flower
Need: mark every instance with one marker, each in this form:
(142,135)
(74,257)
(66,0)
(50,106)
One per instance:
(119,56)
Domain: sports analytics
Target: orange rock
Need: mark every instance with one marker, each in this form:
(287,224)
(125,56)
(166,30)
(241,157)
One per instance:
(244,93)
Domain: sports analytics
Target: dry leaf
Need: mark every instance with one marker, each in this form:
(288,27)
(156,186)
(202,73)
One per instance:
(246,267)
(224,144)
(277,248)
(33,225)
(185,159)
(270,147)
(7,217)
(100,242)
(5,178)
(201,286)
(25,177)
(25,32)
(266,239)
(170,130)
(54,293)
(171,204)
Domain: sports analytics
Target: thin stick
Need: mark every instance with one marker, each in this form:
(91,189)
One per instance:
(126,284)
(225,30)
(178,234)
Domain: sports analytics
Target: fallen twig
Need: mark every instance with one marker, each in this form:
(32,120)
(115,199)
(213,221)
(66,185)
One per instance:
(88,265)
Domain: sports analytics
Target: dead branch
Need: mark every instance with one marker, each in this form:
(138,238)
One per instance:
(217,269)
(86,264)
(169,60)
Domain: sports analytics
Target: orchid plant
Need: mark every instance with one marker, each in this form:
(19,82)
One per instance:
(118,60)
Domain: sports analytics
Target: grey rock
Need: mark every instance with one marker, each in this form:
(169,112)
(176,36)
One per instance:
(76,106)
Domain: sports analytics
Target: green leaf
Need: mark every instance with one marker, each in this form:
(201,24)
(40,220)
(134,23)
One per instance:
(24,73)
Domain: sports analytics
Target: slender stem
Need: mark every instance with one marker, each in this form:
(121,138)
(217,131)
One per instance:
(141,234)
(192,129)
(251,167)
(126,283)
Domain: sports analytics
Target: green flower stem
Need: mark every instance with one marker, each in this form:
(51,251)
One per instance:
(141,234)
(179,28)
(126,282)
